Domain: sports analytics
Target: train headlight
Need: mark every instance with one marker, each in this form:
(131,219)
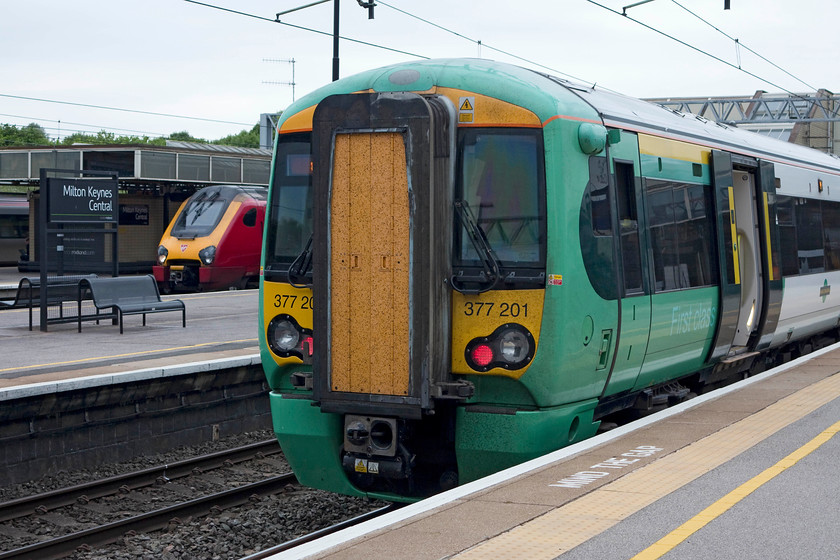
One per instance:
(287,338)
(207,255)
(511,346)
(163,253)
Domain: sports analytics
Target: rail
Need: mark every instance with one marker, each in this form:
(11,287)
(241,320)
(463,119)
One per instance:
(41,503)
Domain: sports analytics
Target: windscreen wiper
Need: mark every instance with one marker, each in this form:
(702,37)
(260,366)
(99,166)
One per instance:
(203,205)
(299,274)
(491,266)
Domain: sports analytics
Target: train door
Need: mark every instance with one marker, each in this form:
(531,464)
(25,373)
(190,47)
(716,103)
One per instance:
(739,250)
(382,176)
(634,299)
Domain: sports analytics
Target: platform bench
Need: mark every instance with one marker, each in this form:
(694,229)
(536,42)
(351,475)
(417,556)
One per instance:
(60,289)
(126,295)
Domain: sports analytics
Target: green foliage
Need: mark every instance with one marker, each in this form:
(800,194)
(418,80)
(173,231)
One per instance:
(245,139)
(29,135)
(34,135)
(185,136)
(103,137)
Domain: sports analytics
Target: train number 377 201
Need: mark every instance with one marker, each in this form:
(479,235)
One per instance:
(293,302)
(493,309)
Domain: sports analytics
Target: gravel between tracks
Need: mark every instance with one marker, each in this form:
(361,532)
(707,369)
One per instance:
(231,534)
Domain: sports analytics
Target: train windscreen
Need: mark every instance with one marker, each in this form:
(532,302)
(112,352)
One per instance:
(201,214)
(290,212)
(500,178)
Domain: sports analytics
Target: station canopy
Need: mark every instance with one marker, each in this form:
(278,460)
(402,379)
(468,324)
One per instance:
(185,164)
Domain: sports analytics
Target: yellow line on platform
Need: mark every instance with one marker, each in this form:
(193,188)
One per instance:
(678,535)
(147,352)
(564,528)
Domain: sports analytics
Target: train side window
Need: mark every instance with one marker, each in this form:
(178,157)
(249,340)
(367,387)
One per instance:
(599,197)
(809,246)
(681,235)
(596,240)
(785,218)
(831,222)
(628,223)
(250,218)
(289,210)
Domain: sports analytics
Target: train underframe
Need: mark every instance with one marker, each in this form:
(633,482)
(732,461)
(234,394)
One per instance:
(194,277)
(402,459)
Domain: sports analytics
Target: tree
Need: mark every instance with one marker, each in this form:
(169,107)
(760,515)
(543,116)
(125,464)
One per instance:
(245,139)
(103,137)
(29,135)
(185,136)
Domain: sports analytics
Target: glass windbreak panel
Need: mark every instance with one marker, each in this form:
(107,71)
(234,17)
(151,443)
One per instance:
(290,204)
(255,171)
(157,165)
(193,168)
(122,162)
(202,213)
(226,169)
(54,160)
(501,178)
(14,165)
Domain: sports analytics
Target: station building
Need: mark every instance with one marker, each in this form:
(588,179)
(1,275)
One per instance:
(153,182)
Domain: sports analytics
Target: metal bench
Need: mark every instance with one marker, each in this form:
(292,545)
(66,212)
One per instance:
(60,289)
(126,295)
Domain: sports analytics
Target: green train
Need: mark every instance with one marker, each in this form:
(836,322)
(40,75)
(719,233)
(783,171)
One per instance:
(468,264)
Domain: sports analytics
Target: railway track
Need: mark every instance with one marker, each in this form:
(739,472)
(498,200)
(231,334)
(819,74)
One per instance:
(42,503)
(111,531)
(155,520)
(315,535)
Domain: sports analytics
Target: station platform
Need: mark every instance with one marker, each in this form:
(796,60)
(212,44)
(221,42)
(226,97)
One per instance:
(746,472)
(220,326)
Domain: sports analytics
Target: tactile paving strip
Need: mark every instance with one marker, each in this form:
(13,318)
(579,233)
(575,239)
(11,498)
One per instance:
(564,528)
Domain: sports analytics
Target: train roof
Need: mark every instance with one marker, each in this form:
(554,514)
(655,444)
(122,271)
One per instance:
(622,111)
(228,192)
(548,96)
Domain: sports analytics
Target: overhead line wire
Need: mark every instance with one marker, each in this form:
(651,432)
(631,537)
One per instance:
(692,47)
(106,128)
(738,42)
(481,43)
(120,109)
(302,28)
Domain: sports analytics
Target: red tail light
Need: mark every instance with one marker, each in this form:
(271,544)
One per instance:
(482,355)
(510,346)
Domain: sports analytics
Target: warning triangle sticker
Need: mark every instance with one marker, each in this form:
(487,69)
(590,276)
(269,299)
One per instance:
(466,105)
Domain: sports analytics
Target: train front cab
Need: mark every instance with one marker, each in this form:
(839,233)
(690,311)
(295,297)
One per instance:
(213,241)
(401,313)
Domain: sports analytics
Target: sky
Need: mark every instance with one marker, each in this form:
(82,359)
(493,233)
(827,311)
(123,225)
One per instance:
(154,67)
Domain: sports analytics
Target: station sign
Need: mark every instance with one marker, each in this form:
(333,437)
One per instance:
(82,201)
